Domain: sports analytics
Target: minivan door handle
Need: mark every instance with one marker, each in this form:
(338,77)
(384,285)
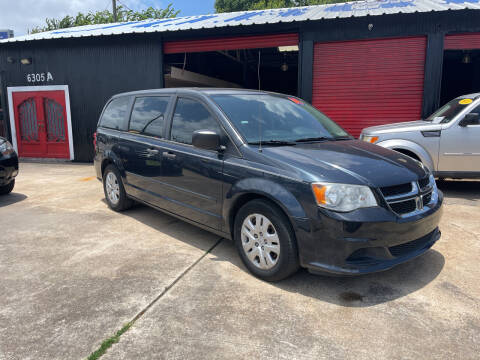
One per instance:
(169,155)
(152,152)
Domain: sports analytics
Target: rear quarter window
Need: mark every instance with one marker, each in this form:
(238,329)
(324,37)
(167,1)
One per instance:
(115,115)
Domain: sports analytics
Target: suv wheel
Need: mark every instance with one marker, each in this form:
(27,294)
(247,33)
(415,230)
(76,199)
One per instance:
(7,189)
(265,241)
(114,191)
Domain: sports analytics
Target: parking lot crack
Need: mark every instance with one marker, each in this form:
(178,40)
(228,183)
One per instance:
(108,343)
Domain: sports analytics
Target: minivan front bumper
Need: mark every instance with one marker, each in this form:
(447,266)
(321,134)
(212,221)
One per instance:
(366,240)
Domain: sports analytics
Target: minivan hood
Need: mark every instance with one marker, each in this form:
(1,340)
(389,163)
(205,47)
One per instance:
(346,161)
(419,125)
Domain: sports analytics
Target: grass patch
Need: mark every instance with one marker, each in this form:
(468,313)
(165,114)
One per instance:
(109,342)
(115,338)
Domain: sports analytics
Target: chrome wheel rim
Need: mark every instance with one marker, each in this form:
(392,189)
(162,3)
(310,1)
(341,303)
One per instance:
(260,241)
(113,188)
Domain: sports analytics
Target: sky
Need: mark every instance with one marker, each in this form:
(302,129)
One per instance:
(21,15)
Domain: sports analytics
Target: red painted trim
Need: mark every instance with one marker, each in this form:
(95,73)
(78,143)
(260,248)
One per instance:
(230,43)
(462,41)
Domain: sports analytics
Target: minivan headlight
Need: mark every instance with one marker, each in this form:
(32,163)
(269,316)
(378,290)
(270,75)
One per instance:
(6,148)
(343,197)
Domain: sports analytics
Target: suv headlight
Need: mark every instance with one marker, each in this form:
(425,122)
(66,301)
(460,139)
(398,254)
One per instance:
(6,148)
(369,138)
(343,197)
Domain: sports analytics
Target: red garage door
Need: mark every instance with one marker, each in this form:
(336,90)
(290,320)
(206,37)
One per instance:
(369,82)
(462,42)
(230,43)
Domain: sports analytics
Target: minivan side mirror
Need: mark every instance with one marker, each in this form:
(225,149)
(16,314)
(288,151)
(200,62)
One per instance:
(470,119)
(206,139)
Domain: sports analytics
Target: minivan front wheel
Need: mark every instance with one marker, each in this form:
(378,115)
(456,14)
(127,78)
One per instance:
(265,241)
(114,191)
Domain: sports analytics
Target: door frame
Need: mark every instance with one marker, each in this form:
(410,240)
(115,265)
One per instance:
(11,110)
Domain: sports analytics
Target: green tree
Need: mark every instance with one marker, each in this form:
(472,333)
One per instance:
(243,5)
(105,17)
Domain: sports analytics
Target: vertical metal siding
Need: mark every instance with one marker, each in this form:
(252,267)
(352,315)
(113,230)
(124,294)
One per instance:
(462,41)
(369,82)
(93,69)
(230,43)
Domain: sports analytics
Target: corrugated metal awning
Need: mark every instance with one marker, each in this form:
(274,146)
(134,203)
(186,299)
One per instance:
(271,16)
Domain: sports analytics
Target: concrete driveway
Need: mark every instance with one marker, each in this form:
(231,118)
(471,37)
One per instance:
(73,273)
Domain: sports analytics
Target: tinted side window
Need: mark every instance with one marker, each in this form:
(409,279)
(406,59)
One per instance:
(148,115)
(190,116)
(115,115)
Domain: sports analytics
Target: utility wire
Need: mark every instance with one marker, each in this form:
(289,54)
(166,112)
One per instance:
(124,5)
(109,4)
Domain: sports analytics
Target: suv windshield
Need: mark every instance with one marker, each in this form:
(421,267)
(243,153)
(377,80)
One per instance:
(277,119)
(448,111)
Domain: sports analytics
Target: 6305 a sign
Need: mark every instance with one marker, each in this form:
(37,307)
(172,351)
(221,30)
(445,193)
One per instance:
(39,77)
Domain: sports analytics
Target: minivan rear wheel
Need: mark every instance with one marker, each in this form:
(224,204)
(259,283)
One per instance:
(265,240)
(114,191)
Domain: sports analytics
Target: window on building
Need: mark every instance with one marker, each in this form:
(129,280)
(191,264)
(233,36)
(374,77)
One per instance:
(115,115)
(148,115)
(190,116)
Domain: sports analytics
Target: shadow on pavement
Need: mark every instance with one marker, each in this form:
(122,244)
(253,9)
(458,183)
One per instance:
(464,189)
(356,291)
(11,198)
(372,289)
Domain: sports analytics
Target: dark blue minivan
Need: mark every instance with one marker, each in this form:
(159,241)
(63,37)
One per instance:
(288,185)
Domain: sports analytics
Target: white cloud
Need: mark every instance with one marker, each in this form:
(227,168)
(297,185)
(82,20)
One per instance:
(22,15)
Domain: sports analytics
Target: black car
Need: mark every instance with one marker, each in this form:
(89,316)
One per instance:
(8,166)
(270,172)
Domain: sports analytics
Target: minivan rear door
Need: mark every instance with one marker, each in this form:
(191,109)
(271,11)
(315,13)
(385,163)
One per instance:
(141,147)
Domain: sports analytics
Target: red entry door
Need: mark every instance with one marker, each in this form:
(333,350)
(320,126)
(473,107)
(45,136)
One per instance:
(41,124)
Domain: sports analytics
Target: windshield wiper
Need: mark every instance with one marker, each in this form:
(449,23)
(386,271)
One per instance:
(272,142)
(310,139)
(343,138)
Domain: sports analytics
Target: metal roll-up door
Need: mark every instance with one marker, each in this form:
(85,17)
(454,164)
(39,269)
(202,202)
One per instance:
(462,42)
(230,43)
(369,82)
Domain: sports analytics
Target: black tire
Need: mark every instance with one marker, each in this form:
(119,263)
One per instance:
(123,202)
(7,189)
(408,153)
(287,262)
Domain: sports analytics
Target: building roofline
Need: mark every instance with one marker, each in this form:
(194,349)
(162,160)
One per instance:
(354,9)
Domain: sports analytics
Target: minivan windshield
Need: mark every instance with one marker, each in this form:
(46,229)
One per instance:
(273,119)
(448,111)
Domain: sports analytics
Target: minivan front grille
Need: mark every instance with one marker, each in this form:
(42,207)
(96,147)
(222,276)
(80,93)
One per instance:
(427,198)
(404,207)
(423,183)
(408,198)
(396,189)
